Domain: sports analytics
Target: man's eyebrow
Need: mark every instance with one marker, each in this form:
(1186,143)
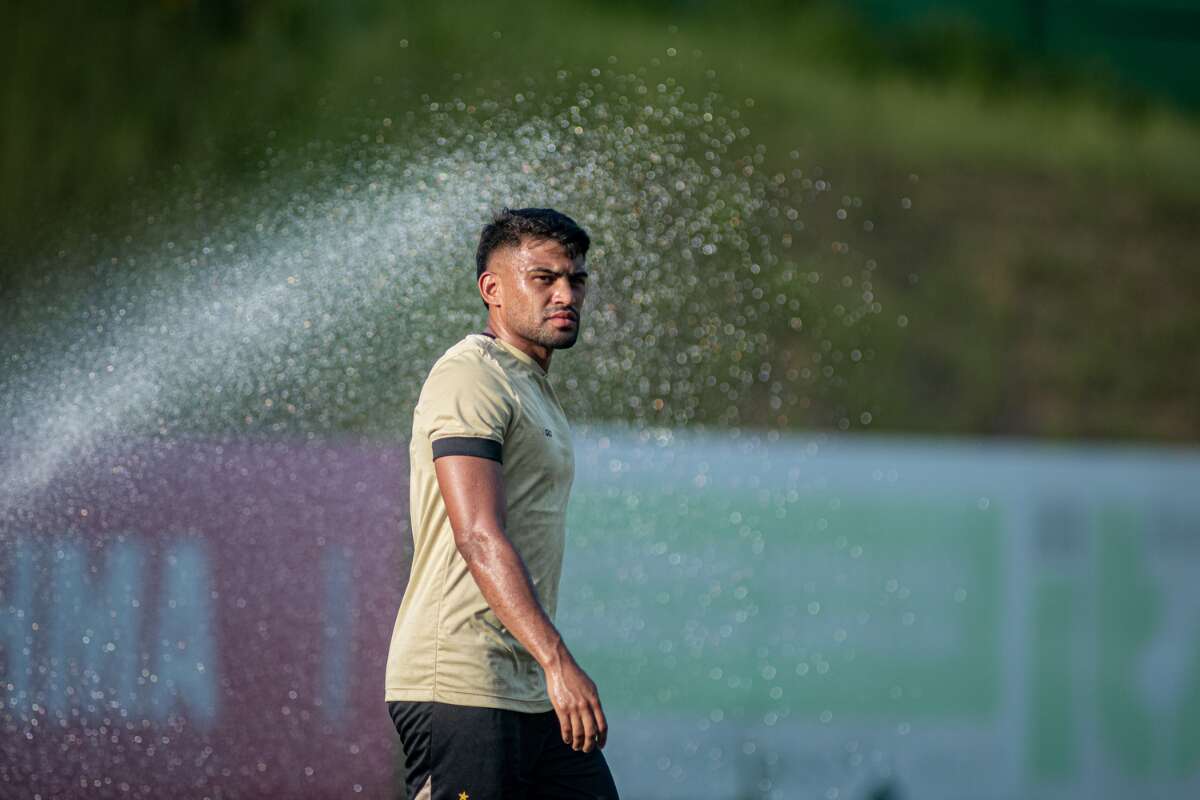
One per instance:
(542,268)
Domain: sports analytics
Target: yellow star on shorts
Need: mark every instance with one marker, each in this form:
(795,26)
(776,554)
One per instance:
(463,796)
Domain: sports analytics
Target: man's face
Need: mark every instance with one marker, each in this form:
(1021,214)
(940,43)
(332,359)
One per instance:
(540,291)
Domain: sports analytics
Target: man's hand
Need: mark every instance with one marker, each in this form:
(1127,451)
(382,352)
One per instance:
(577,703)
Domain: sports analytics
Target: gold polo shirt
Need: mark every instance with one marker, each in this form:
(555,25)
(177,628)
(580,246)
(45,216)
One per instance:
(487,398)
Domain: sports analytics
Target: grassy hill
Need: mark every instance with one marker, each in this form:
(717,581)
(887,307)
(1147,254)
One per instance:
(1034,230)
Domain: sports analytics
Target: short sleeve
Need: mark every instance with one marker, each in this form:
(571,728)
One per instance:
(467,406)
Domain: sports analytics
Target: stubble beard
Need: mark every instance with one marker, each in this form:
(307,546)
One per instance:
(545,335)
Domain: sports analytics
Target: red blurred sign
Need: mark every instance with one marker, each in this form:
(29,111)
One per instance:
(206,618)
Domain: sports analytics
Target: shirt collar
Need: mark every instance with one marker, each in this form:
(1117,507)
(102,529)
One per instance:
(516,353)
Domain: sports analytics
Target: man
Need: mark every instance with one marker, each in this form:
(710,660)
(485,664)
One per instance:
(487,699)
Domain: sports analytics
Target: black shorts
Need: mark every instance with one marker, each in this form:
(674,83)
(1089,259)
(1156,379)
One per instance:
(454,752)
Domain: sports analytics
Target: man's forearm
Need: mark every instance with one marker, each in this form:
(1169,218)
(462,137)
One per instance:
(502,578)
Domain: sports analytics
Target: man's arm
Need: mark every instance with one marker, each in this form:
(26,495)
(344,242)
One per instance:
(473,490)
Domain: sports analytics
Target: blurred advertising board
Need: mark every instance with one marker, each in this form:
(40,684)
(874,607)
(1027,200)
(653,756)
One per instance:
(203,619)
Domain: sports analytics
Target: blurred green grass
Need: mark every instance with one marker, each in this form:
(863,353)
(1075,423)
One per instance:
(99,96)
(1037,265)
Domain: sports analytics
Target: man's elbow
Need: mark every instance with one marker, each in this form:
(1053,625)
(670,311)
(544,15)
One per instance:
(476,544)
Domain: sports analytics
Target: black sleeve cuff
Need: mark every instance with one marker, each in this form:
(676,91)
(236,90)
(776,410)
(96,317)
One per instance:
(467,446)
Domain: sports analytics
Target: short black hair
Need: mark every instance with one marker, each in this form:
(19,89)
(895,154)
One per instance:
(510,225)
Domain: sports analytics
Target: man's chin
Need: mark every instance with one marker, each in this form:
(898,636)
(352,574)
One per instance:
(565,342)
(562,340)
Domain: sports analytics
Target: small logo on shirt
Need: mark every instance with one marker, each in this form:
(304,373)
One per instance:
(463,796)
(547,432)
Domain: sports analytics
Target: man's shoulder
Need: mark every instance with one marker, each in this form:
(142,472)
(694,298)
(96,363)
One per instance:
(470,352)
(470,363)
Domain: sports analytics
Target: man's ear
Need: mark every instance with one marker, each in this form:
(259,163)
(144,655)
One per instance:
(490,288)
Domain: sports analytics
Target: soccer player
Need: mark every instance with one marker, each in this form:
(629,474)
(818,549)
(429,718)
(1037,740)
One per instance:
(487,700)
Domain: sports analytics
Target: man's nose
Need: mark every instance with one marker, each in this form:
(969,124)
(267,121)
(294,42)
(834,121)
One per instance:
(566,294)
